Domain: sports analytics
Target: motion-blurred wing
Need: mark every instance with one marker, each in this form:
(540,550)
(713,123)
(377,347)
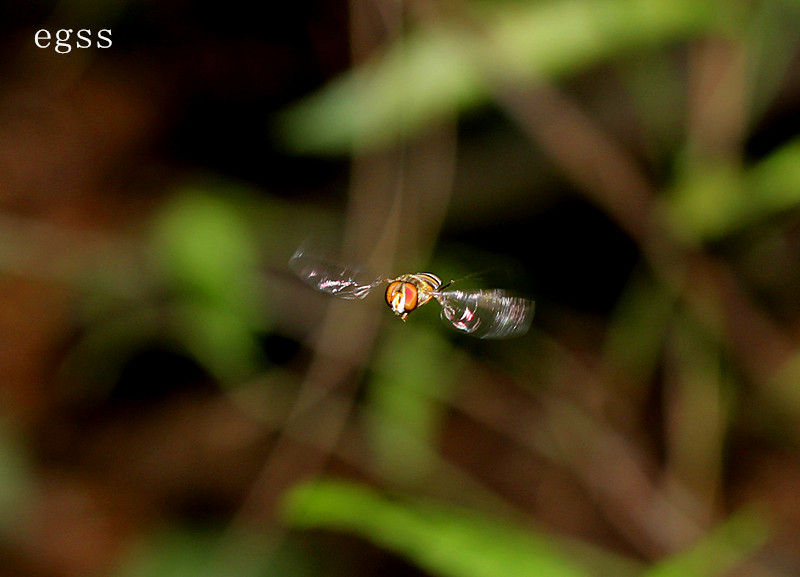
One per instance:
(330,277)
(486,314)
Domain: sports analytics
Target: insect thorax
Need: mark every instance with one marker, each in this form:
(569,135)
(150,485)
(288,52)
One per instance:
(425,281)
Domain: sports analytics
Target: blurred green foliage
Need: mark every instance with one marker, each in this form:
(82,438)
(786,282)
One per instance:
(721,199)
(446,67)
(16,473)
(179,551)
(412,379)
(173,552)
(719,552)
(443,540)
(207,253)
(454,542)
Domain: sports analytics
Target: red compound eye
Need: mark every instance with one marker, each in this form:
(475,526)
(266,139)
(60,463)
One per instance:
(408,292)
(411,296)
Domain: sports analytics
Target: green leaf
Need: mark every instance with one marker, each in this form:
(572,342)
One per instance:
(708,202)
(774,184)
(413,373)
(716,200)
(719,552)
(173,553)
(177,551)
(208,255)
(445,68)
(443,540)
(205,248)
(636,333)
(223,342)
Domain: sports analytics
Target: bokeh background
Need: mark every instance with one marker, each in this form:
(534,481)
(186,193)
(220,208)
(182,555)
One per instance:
(173,401)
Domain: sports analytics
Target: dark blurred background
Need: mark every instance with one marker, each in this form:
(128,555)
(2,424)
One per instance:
(174,401)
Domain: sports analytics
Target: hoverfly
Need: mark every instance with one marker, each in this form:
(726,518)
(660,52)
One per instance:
(486,314)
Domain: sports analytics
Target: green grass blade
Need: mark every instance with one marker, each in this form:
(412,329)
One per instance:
(442,540)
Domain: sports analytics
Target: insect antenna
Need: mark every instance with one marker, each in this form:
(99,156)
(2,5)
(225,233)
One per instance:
(467,277)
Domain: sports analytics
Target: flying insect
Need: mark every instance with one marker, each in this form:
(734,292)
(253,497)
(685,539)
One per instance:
(486,314)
